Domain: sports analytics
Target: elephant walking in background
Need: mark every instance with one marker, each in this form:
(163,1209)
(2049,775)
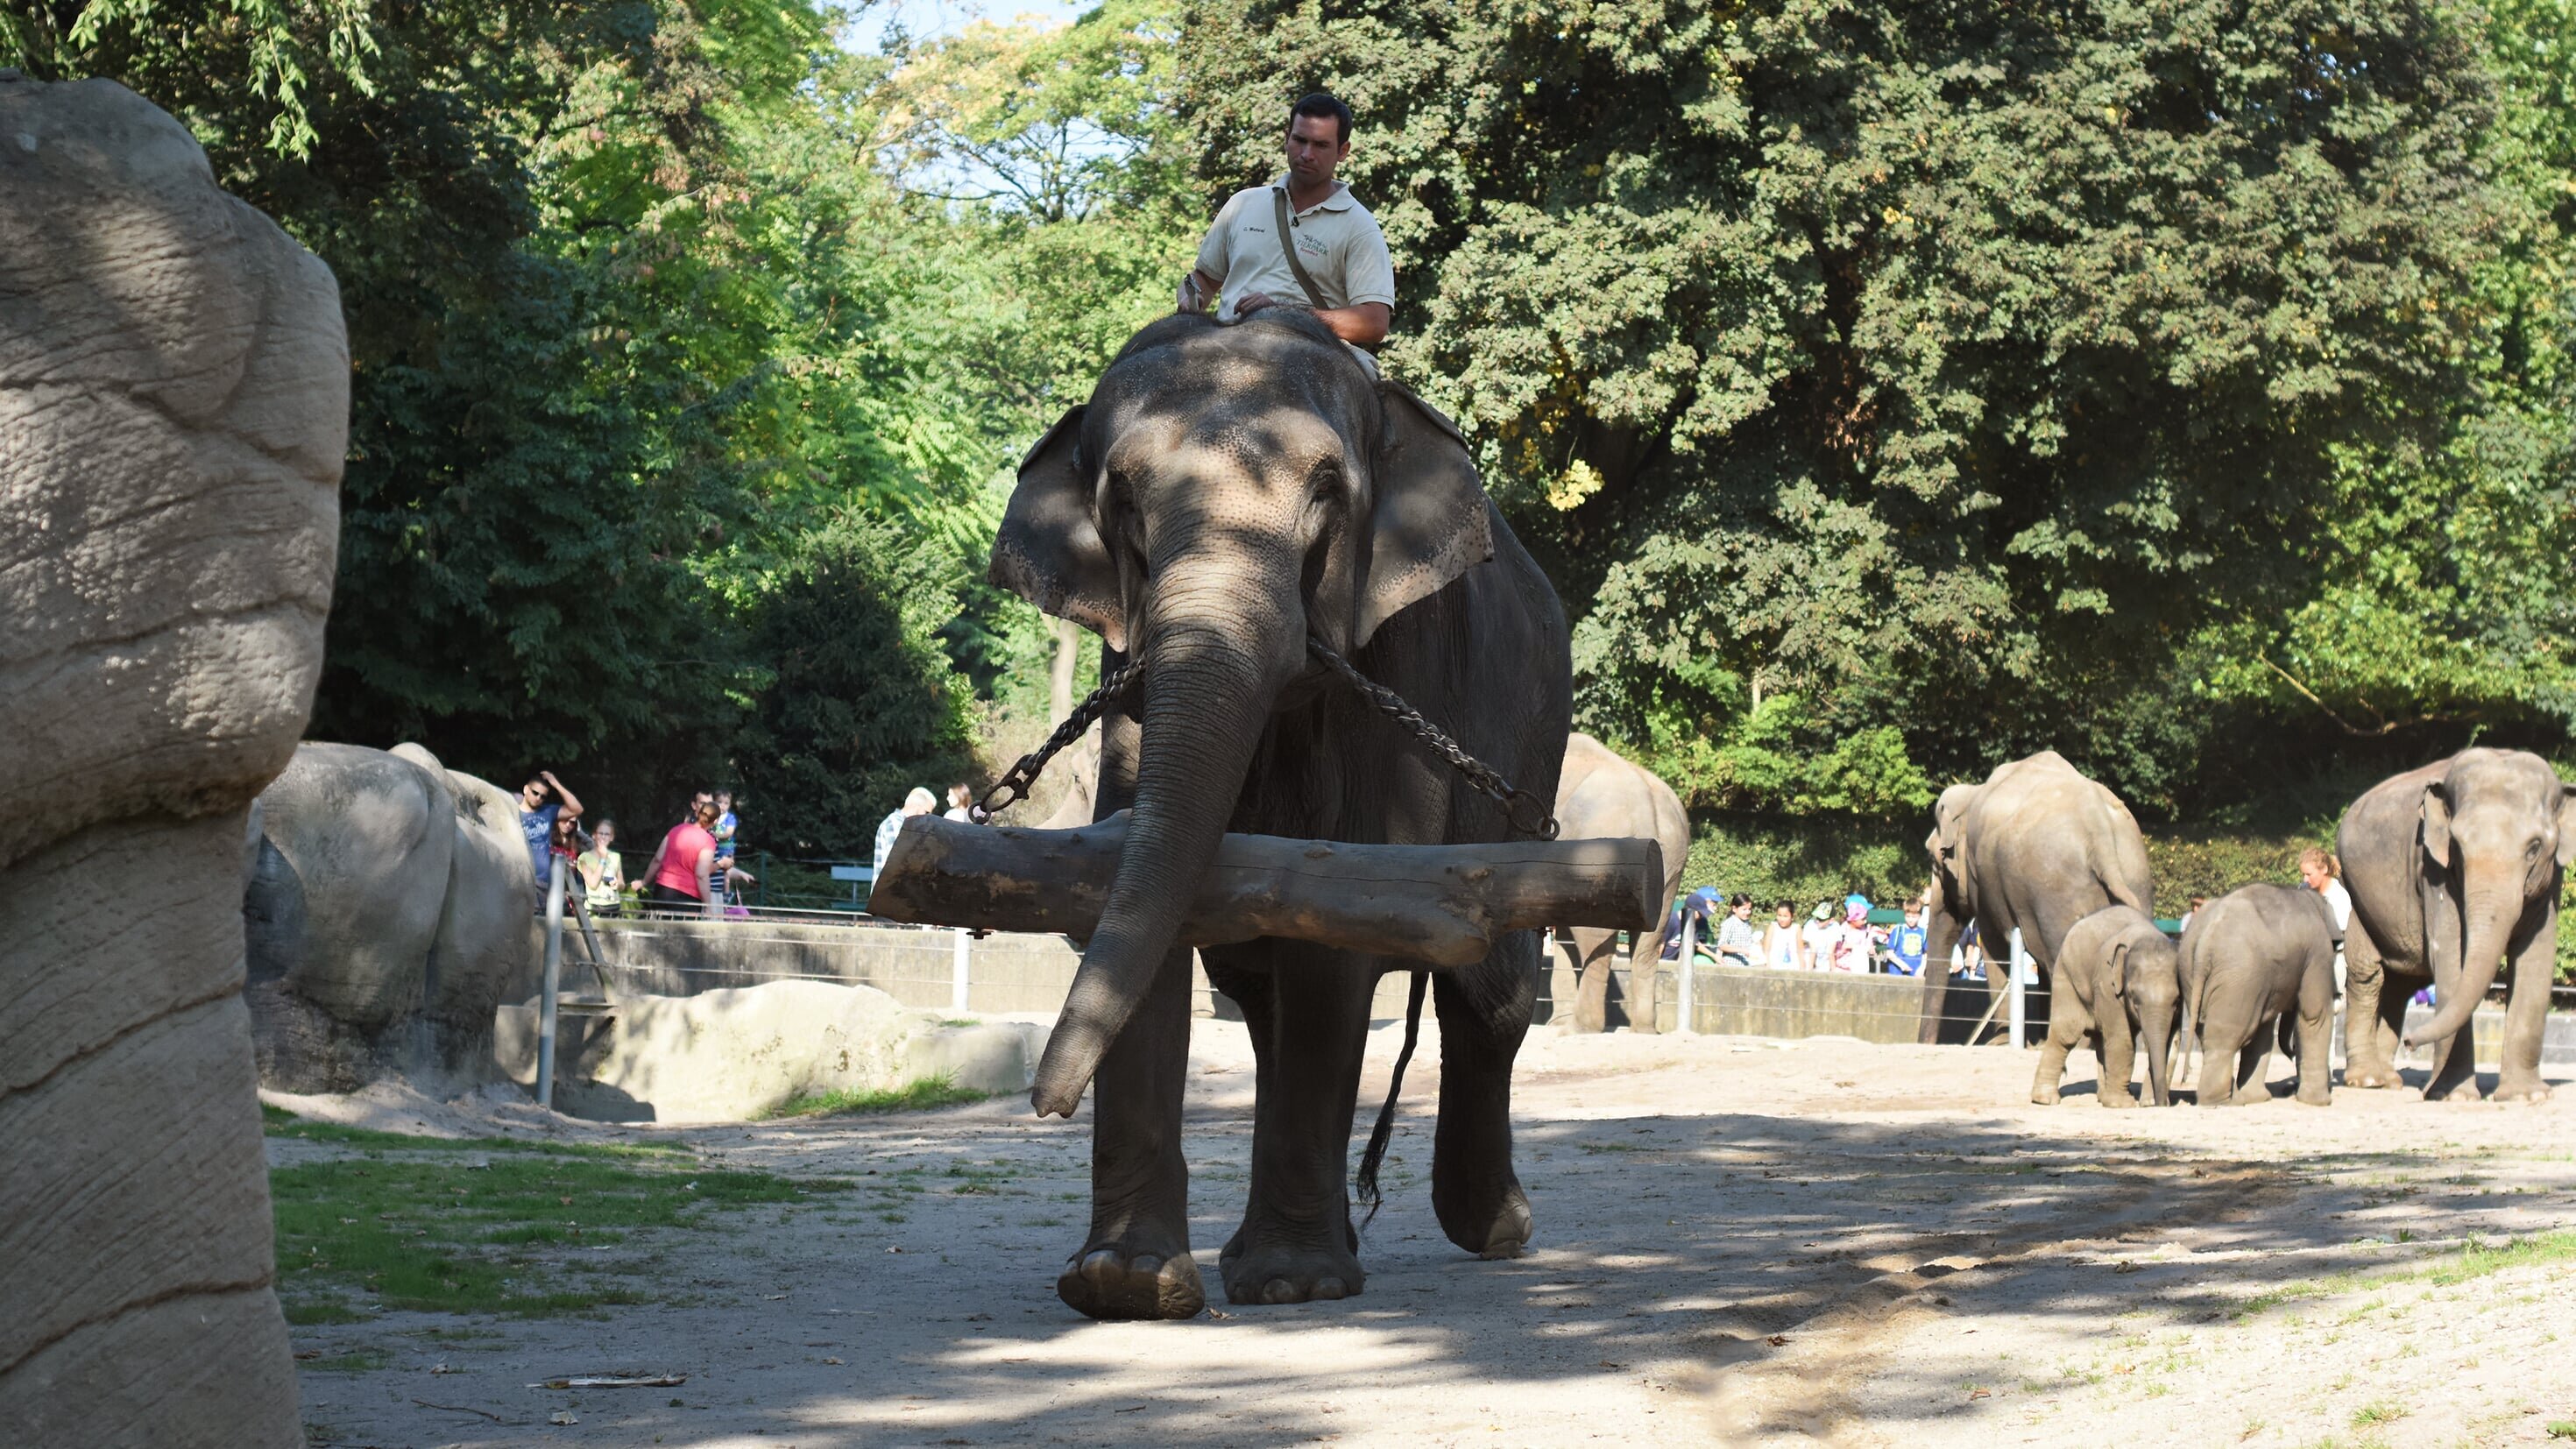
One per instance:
(2118,987)
(1229,492)
(1601,796)
(174,409)
(2036,848)
(2251,958)
(2454,869)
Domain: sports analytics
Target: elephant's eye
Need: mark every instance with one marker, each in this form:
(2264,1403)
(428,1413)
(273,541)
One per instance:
(2533,848)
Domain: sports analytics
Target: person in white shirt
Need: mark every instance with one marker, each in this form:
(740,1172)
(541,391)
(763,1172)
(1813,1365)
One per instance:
(1243,266)
(2319,871)
(1818,936)
(1782,950)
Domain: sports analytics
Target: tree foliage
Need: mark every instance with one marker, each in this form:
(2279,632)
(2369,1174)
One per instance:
(1949,365)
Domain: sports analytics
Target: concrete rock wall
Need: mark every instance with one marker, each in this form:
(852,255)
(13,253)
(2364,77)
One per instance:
(173,413)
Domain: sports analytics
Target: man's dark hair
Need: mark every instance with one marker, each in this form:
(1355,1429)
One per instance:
(1321,105)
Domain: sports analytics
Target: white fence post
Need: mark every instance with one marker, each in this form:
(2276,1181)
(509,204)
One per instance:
(1690,969)
(957,972)
(2019,962)
(546,1002)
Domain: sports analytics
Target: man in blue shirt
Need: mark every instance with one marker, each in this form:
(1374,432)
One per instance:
(537,816)
(1905,944)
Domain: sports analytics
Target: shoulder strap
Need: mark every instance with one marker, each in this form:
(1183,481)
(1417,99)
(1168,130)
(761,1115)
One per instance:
(1279,206)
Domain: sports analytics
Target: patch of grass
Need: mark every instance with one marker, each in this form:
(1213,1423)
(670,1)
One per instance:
(917,1096)
(2379,1412)
(427,1230)
(2562,1428)
(282,1123)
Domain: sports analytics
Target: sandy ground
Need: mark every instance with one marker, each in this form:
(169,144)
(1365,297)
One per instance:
(1738,1242)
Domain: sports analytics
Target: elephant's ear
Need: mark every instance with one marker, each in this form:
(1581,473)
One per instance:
(1427,523)
(2437,825)
(1049,550)
(2119,982)
(2566,824)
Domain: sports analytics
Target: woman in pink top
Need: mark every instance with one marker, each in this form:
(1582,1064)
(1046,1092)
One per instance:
(683,868)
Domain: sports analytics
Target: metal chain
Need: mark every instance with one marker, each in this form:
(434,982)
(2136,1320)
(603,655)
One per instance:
(1526,813)
(1024,774)
(1483,777)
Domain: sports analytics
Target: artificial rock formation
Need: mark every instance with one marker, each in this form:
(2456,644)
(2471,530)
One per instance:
(173,413)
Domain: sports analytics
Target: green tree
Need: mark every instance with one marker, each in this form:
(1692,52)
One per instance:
(1945,364)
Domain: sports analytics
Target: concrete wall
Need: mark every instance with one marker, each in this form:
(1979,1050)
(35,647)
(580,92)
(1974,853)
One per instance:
(1013,973)
(1004,972)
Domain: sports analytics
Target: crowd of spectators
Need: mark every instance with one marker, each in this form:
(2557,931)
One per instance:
(693,869)
(1836,935)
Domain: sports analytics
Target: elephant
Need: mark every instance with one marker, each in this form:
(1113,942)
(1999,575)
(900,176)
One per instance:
(1599,795)
(2118,984)
(1229,492)
(2036,848)
(389,912)
(2453,868)
(173,417)
(2248,958)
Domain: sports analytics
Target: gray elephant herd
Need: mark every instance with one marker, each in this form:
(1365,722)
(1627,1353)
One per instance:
(2454,871)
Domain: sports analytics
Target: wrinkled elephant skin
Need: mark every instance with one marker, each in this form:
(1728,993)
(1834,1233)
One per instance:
(173,412)
(2036,848)
(389,913)
(1600,796)
(2119,989)
(2454,871)
(2258,955)
(1228,492)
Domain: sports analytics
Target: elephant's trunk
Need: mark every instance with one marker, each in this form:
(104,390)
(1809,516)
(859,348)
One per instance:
(2155,1028)
(1940,940)
(1212,671)
(2489,908)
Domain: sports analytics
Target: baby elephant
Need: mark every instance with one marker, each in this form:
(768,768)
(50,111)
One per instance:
(2117,981)
(2251,956)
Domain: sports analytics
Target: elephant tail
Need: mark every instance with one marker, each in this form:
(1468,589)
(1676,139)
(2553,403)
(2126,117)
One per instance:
(1366,1188)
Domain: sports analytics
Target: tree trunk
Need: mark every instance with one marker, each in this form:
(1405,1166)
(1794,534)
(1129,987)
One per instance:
(1441,904)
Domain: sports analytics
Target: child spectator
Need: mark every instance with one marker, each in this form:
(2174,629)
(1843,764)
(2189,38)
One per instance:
(603,875)
(1847,944)
(1782,950)
(725,826)
(961,804)
(1905,944)
(1736,945)
(1817,938)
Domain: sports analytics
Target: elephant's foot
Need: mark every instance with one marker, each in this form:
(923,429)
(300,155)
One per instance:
(1494,1223)
(1109,1280)
(2463,1090)
(2371,1075)
(2115,1097)
(2521,1086)
(2318,1098)
(2044,1096)
(1282,1271)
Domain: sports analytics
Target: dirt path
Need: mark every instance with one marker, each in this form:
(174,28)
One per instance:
(1738,1241)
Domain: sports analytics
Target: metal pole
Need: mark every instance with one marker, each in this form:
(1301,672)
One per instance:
(1690,968)
(2018,962)
(554,981)
(957,973)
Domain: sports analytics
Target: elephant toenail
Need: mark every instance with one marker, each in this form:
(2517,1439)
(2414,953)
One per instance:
(1279,1290)
(1101,1268)
(1146,1266)
(1329,1288)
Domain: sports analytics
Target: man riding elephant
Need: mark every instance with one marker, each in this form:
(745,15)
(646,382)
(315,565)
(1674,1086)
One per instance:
(1301,240)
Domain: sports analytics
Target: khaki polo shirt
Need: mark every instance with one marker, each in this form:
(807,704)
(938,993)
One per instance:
(1336,239)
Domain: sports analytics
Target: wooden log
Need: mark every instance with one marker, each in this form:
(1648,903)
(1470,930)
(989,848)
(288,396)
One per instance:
(1441,904)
